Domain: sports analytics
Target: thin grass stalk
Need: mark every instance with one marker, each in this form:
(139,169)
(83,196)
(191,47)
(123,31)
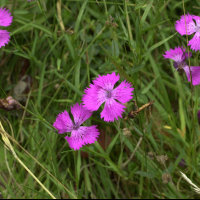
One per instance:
(192,185)
(193,128)
(10,148)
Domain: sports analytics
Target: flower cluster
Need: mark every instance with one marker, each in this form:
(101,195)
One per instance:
(179,56)
(5,20)
(186,25)
(101,91)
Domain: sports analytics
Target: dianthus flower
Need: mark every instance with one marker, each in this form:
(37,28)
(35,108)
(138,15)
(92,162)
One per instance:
(5,20)
(186,22)
(80,135)
(102,90)
(179,56)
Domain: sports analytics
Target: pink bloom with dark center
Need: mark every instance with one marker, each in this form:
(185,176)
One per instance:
(5,20)
(179,56)
(80,135)
(102,90)
(187,23)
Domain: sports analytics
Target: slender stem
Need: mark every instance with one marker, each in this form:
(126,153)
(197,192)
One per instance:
(132,155)
(35,178)
(193,127)
(128,21)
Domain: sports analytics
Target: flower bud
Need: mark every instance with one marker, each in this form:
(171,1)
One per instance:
(161,159)
(166,178)
(9,104)
(126,132)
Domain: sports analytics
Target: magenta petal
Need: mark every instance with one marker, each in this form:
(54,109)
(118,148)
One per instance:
(112,110)
(186,21)
(80,113)
(5,18)
(84,135)
(195,42)
(4,37)
(93,98)
(107,81)
(197,19)
(123,92)
(195,72)
(175,54)
(63,123)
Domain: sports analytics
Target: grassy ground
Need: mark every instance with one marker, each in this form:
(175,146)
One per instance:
(60,46)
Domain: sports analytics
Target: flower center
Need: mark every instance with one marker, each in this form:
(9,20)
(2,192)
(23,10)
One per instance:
(76,127)
(108,94)
(198,29)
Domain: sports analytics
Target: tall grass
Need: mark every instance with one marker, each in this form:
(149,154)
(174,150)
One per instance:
(62,45)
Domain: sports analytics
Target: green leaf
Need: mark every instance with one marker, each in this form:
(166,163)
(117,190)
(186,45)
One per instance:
(76,90)
(145,174)
(33,25)
(153,26)
(144,16)
(146,89)
(115,49)
(80,15)
(69,43)
(117,65)
(157,45)
(112,144)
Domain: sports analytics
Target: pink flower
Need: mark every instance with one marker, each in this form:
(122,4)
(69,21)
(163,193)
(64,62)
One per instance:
(80,135)
(102,90)
(186,22)
(179,56)
(5,20)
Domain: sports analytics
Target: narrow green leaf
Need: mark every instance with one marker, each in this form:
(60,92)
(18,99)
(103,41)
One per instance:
(147,88)
(146,174)
(144,16)
(115,49)
(153,26)
(108,150)
(157,45)
(122,72)
(8,187)
(80,15)
(69,43)
(39,97)
(76,90)
(78,167)
(32,24)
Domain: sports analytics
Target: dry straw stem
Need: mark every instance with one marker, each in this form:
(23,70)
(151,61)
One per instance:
(132,155)
(59,3)
(10,148)
(192,185)
(13,140)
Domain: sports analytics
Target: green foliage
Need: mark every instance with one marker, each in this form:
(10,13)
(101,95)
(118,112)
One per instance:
(61,63)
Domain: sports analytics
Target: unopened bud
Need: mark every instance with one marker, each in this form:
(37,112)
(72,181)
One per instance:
(166,178)
(161,159)
(151,155)
(126,132)
(9,104)
(56,86)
